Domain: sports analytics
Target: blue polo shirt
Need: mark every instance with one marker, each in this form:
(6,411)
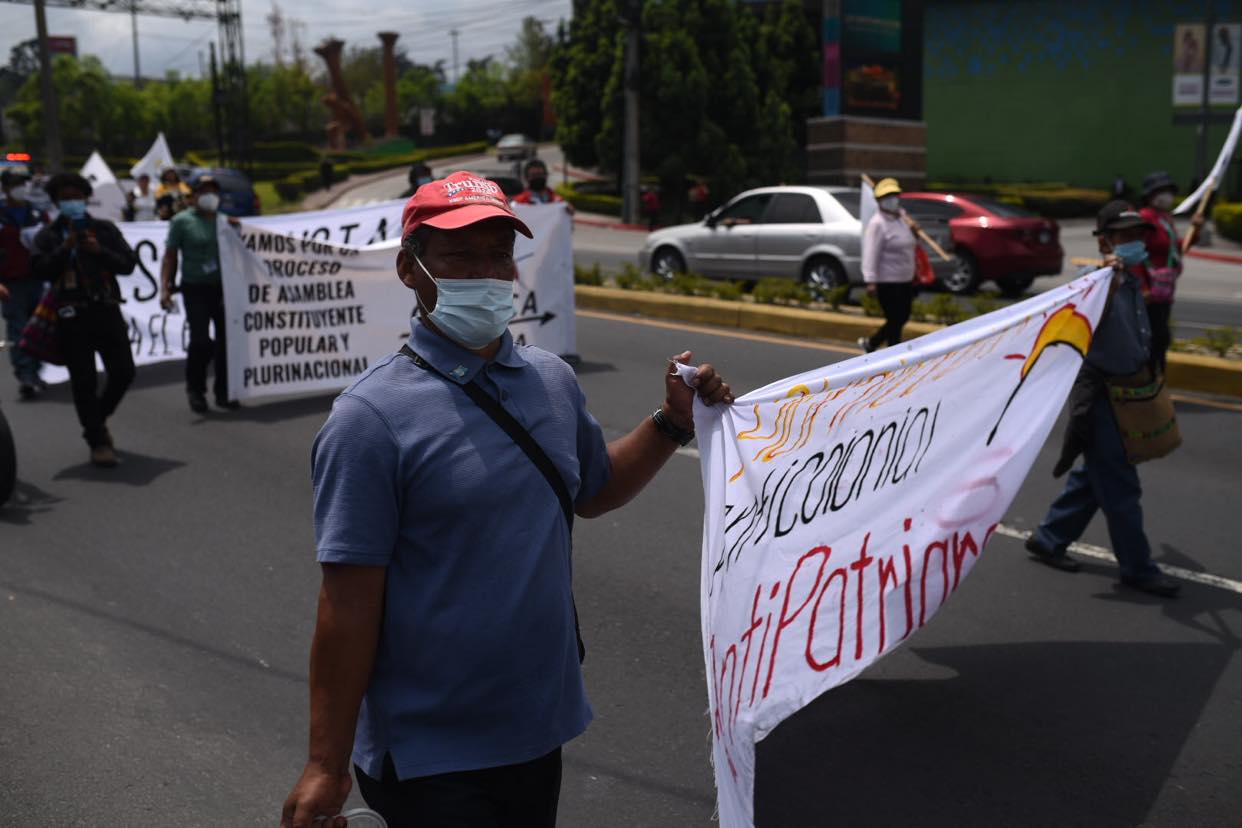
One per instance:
(477,663)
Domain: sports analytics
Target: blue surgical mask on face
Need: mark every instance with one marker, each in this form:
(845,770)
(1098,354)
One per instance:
(72,208)
(471,312)
(1131,252)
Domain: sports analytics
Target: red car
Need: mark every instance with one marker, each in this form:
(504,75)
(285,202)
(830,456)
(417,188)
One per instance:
(1001,242)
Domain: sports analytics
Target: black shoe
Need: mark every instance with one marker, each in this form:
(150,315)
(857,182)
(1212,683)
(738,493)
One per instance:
(1156,584)
(227,405)
(1056,560)
(27,391)
(865,344)
(198,401)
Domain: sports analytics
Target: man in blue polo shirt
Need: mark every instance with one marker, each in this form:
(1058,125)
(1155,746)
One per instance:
(445,659)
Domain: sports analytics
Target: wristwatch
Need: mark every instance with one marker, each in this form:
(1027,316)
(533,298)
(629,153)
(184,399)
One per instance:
(679,436)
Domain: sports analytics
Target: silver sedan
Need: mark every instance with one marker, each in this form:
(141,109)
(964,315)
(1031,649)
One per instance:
(808,233)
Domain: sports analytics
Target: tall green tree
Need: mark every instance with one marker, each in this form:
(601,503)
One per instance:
(585,61)
(723,91)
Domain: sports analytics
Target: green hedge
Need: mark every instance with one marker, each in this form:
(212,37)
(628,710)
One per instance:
(609,205)
(1228,220)
(1050,199)
(294,180)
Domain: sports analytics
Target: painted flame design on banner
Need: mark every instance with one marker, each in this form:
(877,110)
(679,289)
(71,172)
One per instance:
(1065,327)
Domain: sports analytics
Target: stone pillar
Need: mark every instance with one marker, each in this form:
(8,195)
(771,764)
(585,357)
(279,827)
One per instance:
(330,51)
(839,149)
(391,124)
(348,116)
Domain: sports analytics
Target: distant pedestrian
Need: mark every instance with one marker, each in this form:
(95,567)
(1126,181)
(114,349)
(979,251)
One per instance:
(651,206)
(1119,356)
(445,662)
(325,172)
(419,175)
(81,256)
(698,200)
(36,190)
(25,290)
(171,196)
(537,190)
(1120,187)
(140,201)
(888,264)
(193,234)
(1164,260)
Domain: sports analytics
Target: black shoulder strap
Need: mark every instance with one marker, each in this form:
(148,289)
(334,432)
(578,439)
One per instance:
(518,433)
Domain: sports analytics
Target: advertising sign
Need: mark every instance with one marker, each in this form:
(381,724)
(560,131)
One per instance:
(1224,63)
(1188,58)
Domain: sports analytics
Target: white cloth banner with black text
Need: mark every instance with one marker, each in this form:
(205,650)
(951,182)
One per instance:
(363,240)
(844,505)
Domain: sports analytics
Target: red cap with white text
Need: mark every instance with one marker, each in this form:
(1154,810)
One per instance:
(458,201)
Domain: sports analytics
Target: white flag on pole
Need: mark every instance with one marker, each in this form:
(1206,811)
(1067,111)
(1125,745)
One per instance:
(107,200)
(158,158)
(1217,175)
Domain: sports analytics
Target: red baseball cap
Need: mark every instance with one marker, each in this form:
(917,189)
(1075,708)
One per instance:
(458,201)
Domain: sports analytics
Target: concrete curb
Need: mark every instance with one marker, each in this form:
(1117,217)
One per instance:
(1188,372)
(591,221)
(1214,256)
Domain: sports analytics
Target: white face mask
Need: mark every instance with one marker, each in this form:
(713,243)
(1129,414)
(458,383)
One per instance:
(472,312)
(1162,201)
(889,203)
(208,202)
(19,193)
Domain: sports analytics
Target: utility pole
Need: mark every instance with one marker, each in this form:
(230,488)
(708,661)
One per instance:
(133,19)
(1205,115)
(630,162)
(216,94)
(453,34)
(51,116)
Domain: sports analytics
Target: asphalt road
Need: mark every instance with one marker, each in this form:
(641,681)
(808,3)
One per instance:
(155,623)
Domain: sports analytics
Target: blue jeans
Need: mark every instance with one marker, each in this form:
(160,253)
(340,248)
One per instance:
(17,311)
(1105,481)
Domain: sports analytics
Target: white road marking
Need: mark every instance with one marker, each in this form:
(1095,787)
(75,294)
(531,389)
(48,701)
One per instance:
(1088,550)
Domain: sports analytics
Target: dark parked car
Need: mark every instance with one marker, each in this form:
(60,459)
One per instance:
(1003,243)
(237,195)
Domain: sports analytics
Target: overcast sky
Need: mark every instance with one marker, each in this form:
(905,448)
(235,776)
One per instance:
(485,26)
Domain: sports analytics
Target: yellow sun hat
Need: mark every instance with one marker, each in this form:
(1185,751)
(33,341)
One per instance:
(886,186)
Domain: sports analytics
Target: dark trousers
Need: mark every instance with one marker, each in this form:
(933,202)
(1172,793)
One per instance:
(204,308)
(1161,336)
(895,299)
(1106,482)
(96,329)
(25,295)
(513,796)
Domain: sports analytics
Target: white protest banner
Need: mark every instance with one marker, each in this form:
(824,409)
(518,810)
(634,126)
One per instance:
(107,201)
(356,226)
(543,293)
(844,505)
(305,315)
(1217,175)
(158,158)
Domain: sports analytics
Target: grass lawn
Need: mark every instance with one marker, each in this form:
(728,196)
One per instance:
(268,198)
